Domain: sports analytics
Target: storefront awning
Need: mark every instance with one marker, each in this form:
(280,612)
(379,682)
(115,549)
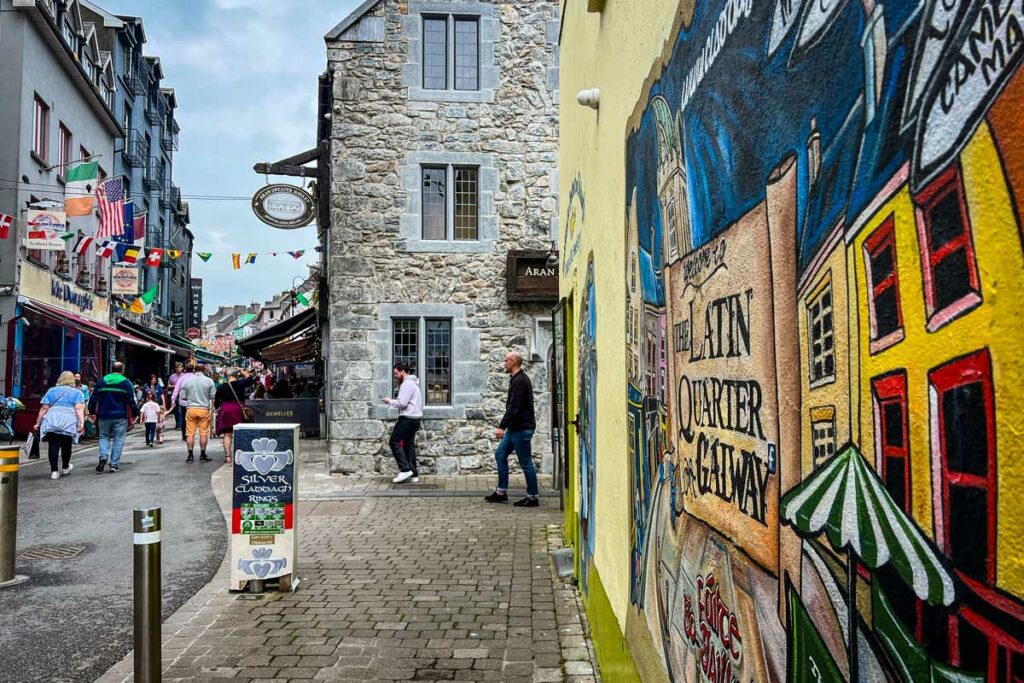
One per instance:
(176,347)
(297,324)
(290,351)
(90,326)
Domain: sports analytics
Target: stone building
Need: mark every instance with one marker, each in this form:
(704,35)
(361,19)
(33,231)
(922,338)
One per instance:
(443,155)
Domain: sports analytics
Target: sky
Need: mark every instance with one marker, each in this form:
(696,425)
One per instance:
(245,76)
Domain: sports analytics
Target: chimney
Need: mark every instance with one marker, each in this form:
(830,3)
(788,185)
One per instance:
(875,47)
(813,153)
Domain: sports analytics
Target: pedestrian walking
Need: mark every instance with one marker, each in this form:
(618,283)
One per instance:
(172,381)
(176,396)
(115,409)
(229,400)
(155,387)
(410,411)
(515,431)
(197,395)
(152,413)
(61,421)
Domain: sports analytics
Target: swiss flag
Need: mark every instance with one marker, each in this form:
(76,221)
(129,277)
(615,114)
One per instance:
(5,225)
(154,257)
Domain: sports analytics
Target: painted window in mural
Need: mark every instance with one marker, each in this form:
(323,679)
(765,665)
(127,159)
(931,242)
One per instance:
(820,322)
(947,253)
(886,314)
(892,448)
(823,433)
(966,436)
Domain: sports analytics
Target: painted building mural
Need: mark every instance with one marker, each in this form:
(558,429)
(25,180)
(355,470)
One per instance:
(587,426)
(824,275)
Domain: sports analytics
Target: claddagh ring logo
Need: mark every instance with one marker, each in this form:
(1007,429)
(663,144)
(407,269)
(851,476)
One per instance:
(264,457)
(262,564)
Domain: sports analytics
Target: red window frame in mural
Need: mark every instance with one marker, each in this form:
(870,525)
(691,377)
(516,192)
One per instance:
(975,368)
(890,390)
(949,183)
(996,639)
(884,236)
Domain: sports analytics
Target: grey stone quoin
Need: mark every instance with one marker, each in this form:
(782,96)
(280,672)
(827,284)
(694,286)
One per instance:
(385,126)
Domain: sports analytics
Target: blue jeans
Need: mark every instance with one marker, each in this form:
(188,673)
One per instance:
(177,417)
(112,433)
(518,441)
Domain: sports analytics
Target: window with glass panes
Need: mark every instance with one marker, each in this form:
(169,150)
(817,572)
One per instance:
(822,340)
(450,215)
(451,52)
(892,435)
(425,343)
(823,434)
(40,128)
(63,149)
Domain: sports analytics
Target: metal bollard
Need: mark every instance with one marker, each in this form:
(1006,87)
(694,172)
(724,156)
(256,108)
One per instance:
(147,594)
(9,516)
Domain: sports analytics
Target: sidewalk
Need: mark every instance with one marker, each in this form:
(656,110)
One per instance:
(397,583)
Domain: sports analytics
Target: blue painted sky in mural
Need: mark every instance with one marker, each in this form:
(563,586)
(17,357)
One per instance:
(749,113)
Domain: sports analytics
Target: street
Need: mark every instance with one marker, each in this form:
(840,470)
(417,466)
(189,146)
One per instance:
(73,618)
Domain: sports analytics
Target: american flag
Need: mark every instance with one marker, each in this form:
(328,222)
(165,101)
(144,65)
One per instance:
(110,194)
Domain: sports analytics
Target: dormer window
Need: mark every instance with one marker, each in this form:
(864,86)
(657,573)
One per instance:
(69,35)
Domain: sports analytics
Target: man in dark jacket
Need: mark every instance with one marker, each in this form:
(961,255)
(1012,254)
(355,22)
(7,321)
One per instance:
(515,431)
(113,404)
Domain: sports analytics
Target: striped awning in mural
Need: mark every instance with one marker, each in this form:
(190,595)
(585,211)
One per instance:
(846,499)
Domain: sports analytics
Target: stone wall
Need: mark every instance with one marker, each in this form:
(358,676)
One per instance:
(378,266)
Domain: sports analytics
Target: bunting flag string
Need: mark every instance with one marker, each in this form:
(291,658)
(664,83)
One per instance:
(236,260)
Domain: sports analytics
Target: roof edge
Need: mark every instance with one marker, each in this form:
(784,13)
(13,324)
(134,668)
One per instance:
(346,23)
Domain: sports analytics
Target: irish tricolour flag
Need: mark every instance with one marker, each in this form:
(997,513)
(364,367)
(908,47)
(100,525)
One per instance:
(79,188)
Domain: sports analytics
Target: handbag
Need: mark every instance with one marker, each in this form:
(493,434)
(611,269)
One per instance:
(248,414)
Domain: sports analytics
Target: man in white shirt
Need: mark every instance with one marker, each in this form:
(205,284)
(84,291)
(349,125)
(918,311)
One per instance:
(410,410)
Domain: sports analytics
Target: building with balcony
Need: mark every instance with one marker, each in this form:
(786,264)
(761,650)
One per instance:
(443,149)
(144,158)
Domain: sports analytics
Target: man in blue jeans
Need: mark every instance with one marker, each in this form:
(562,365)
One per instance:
(113,405)
(515,431)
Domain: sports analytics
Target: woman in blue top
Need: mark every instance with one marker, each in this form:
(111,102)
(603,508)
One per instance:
(61,420)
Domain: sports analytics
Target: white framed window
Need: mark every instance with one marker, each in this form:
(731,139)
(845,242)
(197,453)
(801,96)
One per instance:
(40,128)
(64,139)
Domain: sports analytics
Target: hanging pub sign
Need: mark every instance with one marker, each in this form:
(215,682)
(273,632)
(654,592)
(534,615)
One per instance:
(283,206)
(124,280)
(529,278)
(44,230)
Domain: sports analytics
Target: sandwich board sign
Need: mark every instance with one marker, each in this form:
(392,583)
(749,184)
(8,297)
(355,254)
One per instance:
(263,505)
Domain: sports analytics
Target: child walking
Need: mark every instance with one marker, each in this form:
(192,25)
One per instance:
(151,416)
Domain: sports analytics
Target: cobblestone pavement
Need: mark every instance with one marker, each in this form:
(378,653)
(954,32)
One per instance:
(395,585)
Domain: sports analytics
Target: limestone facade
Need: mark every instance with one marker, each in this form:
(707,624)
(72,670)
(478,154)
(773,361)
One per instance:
(392,138)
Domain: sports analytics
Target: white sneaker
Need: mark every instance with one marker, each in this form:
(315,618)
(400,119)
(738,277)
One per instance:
(67,471)
(54,475)
(402,476)
(415,480)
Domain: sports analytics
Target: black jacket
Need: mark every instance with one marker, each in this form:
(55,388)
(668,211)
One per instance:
(519,404)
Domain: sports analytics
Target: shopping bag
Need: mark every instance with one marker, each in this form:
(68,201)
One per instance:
(26,448)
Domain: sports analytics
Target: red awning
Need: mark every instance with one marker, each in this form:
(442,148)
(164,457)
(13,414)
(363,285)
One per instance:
(89,326)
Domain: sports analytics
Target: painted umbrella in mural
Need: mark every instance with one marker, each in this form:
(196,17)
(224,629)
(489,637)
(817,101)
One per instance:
(846,499)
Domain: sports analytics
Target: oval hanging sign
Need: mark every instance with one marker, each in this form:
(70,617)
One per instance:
(283,206)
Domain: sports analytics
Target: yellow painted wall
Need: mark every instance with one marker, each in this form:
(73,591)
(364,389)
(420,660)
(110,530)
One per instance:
(612,50)
(995,324)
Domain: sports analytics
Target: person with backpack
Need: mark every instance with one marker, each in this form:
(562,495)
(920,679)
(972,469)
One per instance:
(114,408)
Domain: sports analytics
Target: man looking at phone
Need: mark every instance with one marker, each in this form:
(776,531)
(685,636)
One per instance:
(410,410)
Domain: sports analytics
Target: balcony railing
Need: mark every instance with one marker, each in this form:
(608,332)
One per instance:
(153,179)
(134,148)
(169,140)
(170,197)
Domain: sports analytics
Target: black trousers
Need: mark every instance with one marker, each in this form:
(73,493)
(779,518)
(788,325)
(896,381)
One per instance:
(403,444)
(60,446)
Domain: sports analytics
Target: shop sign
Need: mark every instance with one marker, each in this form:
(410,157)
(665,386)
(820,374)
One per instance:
(529,278)
(193,333)
(44,230)
(47,288)
(124,280)
(263,508)
(284,206)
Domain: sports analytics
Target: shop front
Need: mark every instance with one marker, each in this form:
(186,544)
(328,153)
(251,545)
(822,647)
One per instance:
(58,326)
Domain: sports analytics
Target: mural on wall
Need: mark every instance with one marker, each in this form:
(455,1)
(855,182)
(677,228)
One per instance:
(824,275)
(587,425)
